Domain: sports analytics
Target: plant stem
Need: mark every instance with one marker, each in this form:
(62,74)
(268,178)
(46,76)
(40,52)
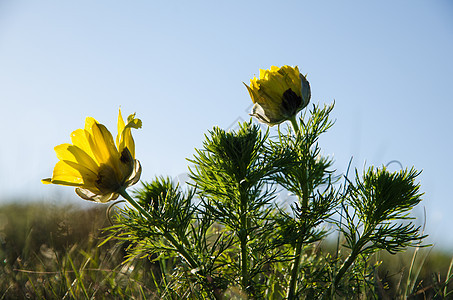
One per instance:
(132,202)
(351,258)
(294,123)
(243,239)
(305,191)
(295,271)
(297,257)
(244,262)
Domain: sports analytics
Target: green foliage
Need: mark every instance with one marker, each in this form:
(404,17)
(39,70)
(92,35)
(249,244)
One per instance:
(170,209)
(233,175)
(228,236)
(308,169)
(379,199)
(308,176)
(52,252)
(41,240)
(230,174)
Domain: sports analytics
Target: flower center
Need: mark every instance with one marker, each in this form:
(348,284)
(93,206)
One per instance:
(291,102)
(107,181)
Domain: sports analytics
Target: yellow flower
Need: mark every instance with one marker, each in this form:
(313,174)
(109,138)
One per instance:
(94,165)
(279,94)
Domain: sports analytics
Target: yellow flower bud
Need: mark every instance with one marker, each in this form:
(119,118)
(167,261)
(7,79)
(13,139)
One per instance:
(94,164)
(279,94)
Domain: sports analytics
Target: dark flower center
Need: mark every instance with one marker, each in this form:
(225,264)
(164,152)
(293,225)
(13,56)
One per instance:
(107,181)
(291,102)
(126,156)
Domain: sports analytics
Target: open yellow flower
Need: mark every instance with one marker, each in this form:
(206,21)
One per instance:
(93,164)
(279,94)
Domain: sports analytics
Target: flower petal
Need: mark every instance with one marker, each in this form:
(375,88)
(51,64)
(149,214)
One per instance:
(124,138)
(79,139)
(101,143)
(135,175)
(91,196)
(64,174)
(120,127)
(89,176)
(46,180)
(68,152)
(252,93)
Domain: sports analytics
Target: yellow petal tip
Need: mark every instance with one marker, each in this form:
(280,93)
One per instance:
(46,180)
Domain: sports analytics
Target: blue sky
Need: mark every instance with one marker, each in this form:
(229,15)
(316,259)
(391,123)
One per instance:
(180,65)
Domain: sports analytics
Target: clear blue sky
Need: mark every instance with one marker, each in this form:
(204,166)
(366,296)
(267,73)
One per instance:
(180,65)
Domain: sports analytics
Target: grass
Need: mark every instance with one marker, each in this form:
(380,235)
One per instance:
(51,252)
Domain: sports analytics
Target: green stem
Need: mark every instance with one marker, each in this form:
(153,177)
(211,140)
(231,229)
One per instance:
(295,271)
(294,123)
(297,257)
(244,262)
(132,202)
(351,258)
(243,239)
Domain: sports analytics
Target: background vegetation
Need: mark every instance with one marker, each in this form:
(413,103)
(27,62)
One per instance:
(51,252)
